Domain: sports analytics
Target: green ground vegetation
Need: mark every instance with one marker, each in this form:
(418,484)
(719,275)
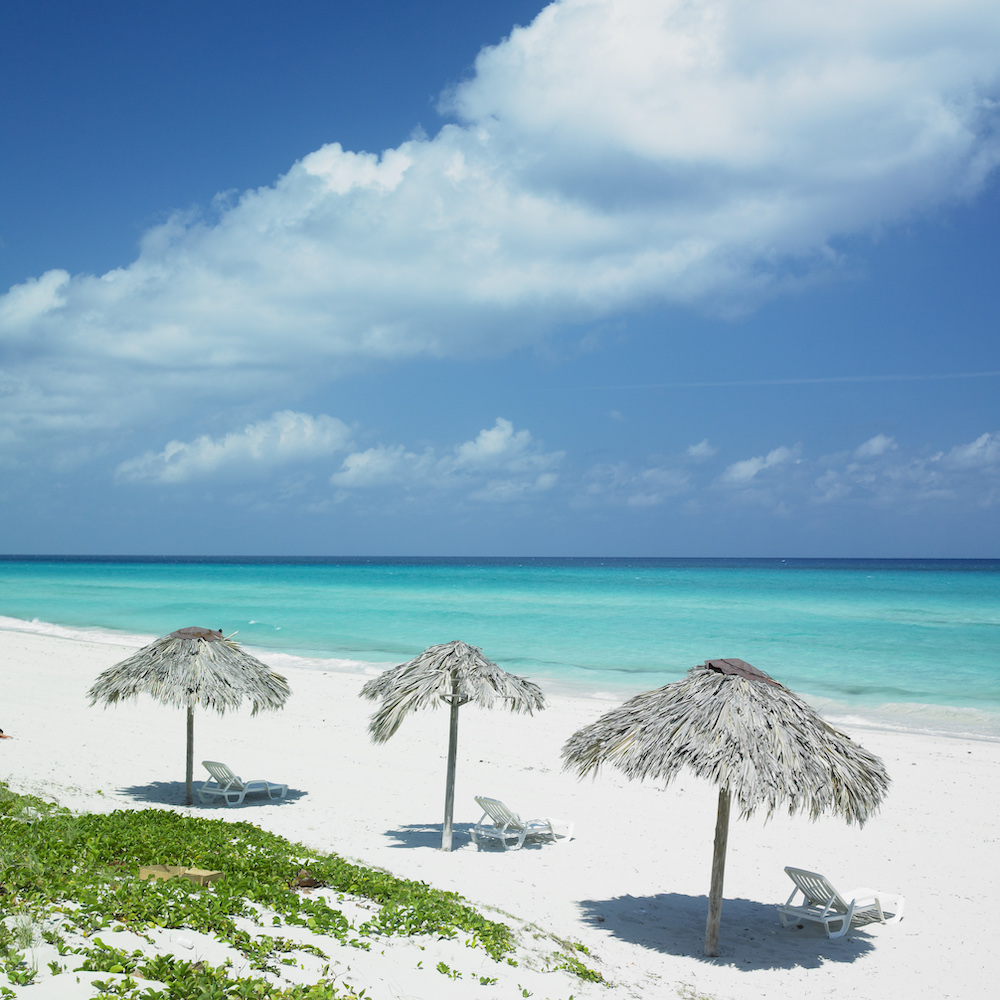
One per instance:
(84,869)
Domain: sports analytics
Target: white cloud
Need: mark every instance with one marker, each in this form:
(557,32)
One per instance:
(877,472)
(874,447)
(506,490)
(284,438)
(501,464)
(893,482)
(31,300)
(983,453)
(383,466)
(777,120)
(498,465)
(702,451)
(874,471)
(505,465)
(610,154)
(620,484)
(501,447)
(742,473)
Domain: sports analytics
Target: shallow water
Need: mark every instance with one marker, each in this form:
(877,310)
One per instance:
(898,642)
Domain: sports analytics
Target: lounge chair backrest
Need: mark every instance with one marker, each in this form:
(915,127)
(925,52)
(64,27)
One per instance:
(817,890)
(221,773)
(503,817)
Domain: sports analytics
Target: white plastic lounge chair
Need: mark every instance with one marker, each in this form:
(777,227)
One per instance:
(822,904)
(232,789)
(507,825)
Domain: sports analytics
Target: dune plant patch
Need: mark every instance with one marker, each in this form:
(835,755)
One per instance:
(70,892)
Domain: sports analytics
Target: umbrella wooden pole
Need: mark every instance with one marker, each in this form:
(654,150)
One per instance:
(189,773)
(449,788)
(718,870)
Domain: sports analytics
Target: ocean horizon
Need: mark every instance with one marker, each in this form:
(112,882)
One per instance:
(903,643)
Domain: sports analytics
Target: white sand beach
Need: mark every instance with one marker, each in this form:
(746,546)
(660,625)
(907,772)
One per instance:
(631,885)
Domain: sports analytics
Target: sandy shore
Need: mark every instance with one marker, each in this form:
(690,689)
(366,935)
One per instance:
(631,885)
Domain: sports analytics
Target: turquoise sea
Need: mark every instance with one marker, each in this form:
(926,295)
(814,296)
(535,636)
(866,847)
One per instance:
(907,643)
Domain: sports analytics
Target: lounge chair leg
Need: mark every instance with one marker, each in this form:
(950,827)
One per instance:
(845,924)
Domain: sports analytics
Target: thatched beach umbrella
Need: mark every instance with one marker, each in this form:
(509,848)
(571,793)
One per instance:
(759,742)
(454,673)
(188,668)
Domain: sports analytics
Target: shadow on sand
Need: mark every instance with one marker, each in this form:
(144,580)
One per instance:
(428,835)
(171,793)
(751,935)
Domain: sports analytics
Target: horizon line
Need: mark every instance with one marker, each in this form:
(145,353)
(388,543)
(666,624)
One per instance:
(221,557)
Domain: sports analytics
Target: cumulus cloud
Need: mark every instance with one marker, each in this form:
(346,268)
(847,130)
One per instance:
(503,464)
(31,300)
(499,465)
(874,447)
(743,472)
(983,453)
(610,154)
(283,439)
(384,465)
(702,451)
(500,446)
(878,471)
(507,490)
(619,483)
(904,480)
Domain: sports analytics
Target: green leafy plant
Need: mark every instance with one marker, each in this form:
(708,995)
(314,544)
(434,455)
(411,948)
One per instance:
(572,964)
(446,971)
(19,973)
(83,869)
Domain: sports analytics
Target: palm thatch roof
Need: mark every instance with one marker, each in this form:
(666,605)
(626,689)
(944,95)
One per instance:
(437,675)
(743,731)
(193,667)
(454,673)
(750,735)
(190,668)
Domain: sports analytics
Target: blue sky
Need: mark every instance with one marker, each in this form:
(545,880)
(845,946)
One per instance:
(637,277)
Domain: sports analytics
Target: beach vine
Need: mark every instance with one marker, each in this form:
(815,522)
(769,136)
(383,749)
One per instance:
(64,877)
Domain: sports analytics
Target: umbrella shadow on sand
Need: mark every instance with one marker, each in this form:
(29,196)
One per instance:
(172,793)
(427,835)
(672,924)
